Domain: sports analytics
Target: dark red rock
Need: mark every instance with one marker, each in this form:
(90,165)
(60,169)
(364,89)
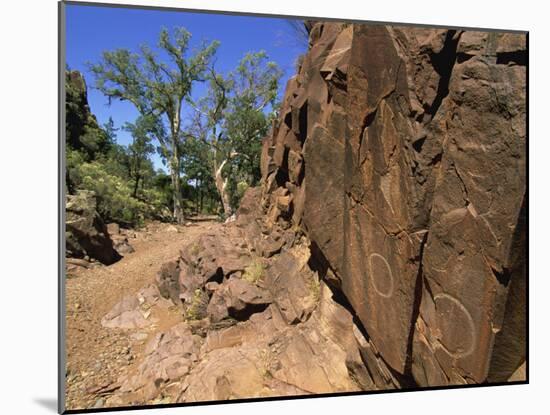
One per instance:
(390,224)
(412,192)
(292,284)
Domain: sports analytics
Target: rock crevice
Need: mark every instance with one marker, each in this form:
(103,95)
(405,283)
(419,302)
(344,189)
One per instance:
(385,247)
(413,157)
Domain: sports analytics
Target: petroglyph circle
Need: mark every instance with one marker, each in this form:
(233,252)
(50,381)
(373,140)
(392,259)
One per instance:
(381,276)
(456,326)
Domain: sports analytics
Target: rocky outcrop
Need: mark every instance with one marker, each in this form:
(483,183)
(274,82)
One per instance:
(134,311)
(120,238)
(386,246)
(255,323)
(86,235)
(400,152)
(82,129)
(262,356)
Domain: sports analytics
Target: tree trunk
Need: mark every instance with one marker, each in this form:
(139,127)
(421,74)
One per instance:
(175,167)
(199,196)
(137,171)
(176,184)
(136,185)
(221,186)
(69,183)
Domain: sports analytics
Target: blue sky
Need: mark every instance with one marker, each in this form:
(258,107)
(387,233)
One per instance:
(90,30)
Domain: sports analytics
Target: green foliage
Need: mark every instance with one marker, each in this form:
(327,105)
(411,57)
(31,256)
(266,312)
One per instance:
(83,130)
(233,118)
(241,189)
(137,153)
(197,309)
(158,89)
(254,272)
(197,167)
(114,201)
(114,195)
(109,169)
(222,135)
(250,112)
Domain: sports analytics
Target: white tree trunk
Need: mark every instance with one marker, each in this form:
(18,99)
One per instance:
(175,169)
(221,186)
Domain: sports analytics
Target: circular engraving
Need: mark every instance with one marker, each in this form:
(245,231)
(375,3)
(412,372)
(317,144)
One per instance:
(381,276)
(456,326)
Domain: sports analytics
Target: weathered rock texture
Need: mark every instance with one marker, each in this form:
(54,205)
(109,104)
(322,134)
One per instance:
(81,124)
(386,246)
(255,322)
(120,238)
(85,233)
(401,154)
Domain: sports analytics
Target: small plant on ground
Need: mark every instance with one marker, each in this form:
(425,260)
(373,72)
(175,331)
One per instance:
(315,288)
(197,308)
(296,229)
(195,249)
(254,272)
(266,362)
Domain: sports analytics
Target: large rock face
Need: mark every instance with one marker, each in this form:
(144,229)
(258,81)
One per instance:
(401,154)
(386,246)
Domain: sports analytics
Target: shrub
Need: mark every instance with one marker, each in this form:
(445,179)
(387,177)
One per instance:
(267,360)
(197,309)
(195,249)
(241,189)
(254,272)
(315,288)
(114,200)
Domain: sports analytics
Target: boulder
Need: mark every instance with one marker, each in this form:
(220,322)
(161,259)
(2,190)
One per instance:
(216,255)
(237,298)
(85,232)
(265,357)
(127,314)
(293,285)
(121,244)
(168,357)
(167,281)
(113,229)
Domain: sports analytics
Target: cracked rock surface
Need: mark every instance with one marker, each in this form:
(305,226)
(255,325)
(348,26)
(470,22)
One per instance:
(411,187)
(385,247)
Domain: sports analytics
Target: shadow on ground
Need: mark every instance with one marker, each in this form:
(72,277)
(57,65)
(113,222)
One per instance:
(48,403)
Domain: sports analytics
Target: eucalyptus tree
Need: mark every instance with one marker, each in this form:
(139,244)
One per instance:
(232,119)
(138,151)
(158,89)
(197,168)
(206,128)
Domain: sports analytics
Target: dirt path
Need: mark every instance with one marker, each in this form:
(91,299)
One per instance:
(97,356)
